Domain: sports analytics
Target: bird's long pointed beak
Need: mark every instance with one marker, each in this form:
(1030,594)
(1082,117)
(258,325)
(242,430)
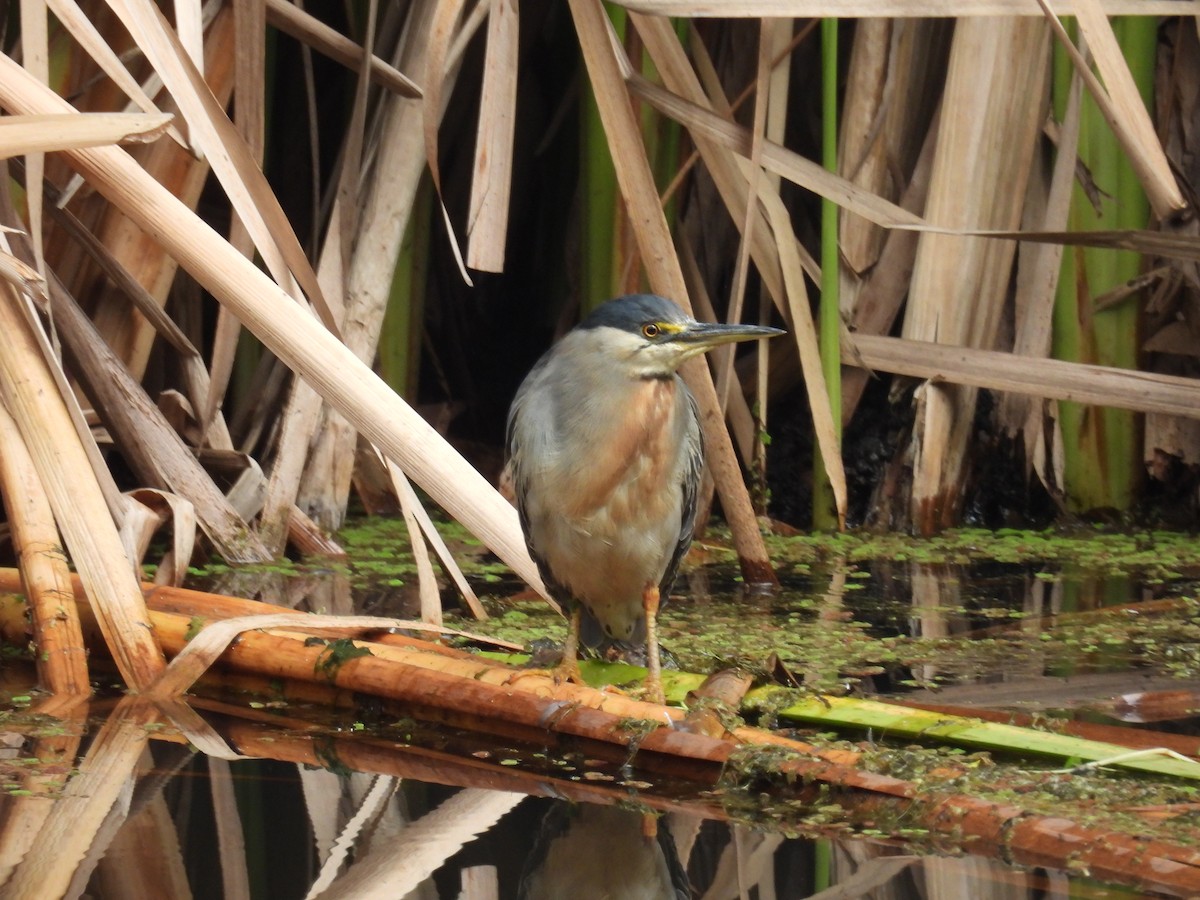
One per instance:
(704,335)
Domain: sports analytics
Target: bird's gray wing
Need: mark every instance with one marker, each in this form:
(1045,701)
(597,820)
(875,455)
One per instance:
(517,478)
(693,466)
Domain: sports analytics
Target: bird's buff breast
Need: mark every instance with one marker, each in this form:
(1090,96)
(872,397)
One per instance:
(609,529)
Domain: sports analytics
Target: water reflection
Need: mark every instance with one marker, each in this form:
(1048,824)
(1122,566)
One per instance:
(283,804)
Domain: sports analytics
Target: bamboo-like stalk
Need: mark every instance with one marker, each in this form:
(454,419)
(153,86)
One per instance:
(1102,447)
(61,655)
(825,512)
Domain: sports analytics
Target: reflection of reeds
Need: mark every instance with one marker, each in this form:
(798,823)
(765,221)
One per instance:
(81,823)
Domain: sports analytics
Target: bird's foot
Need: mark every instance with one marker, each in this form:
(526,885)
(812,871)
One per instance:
(549,662)
(652,691)
(567,671)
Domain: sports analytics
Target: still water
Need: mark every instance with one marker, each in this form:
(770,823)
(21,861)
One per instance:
(238,795)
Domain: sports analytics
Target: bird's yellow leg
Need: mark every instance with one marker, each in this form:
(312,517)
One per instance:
(653,688)
(568,668)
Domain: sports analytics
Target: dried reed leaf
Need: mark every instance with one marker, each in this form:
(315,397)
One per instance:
(664,49)
(438,47)
(403,487)
(427,587)
(960,284)
(1172,245)
(136,249)
(77,22)
(370,250)
(805,334)
(35,53)
(882,293)
(1038,269)
(703,88)
(192,364)
(741,263)
(322,801)
(871,9)
(787,163)
(487,221)
(181,514)
(605,62)
(1035,377)
(24,278)
(189,22)
(292,20)
(250,75)
(1121,104)
(35,134)
(213,134)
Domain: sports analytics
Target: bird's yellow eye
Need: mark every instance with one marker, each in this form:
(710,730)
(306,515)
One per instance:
(651,330)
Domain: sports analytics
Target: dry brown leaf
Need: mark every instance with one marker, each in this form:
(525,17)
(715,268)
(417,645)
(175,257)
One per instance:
(487,221)
(292,20)
(1121,104)
(1052,378)
(34,134)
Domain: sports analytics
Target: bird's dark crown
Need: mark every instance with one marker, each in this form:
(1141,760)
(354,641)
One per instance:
(631,312)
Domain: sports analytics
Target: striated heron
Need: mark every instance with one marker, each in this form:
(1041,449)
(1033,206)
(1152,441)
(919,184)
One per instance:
(604,460)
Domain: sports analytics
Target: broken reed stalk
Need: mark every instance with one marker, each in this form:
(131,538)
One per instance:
(426,681)
(46,580)
(31,394)
(960,284)
(153,449)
